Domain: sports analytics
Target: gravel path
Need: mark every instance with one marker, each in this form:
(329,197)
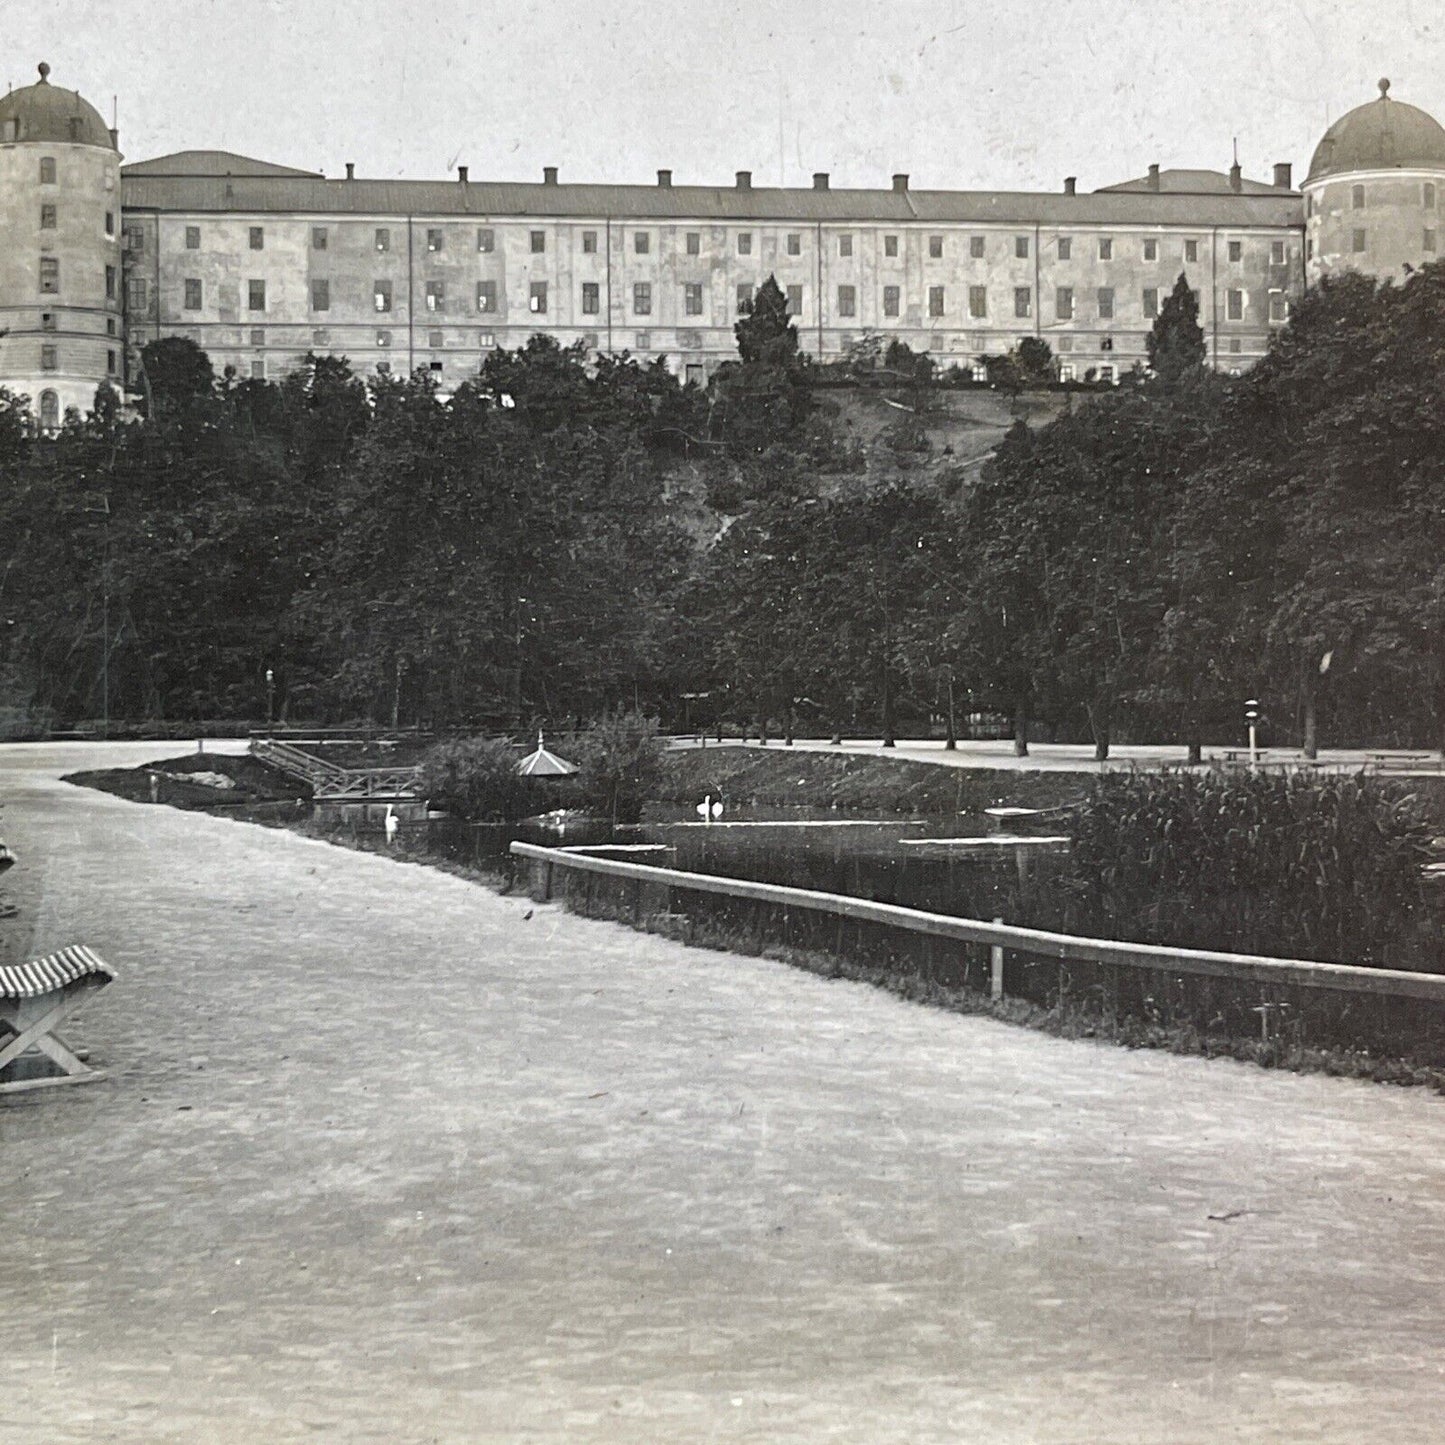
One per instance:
(382,1159)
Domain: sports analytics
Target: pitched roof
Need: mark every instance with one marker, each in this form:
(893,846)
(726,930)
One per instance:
(191,164)
(301,193)
(1195,183)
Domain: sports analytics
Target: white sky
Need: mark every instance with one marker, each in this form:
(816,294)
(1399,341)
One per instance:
(976,93)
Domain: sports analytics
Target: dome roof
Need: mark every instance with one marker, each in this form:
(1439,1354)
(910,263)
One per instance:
(1383,134)
(45,112)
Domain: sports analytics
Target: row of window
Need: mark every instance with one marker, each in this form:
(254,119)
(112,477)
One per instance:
(49,273)
(486,238)
(49,217)
(50,358)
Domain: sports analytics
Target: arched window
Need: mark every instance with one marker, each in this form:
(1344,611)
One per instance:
(49,411)
(47,170)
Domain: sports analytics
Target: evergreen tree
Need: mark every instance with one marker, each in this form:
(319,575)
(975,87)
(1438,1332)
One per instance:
(766,337)
(1176,340)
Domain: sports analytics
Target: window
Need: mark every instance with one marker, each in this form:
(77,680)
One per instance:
(695,374)
(1151,301)
(49,358)
(1191,250)
(49,410)
(381,295)
(1236,250)
(1357,198)
(110,223)
(47,217)
(258,238)
(1106,303)
(890,245)
(1235,348)
(436,295)
(1427,195)
(1106,248)
(642,298)
(193,293)
(435,366)
(975,246)
(383,338)
(745,243)
(1021,247)
(795,300)
(1023,301)
(1064,303)
(1066,343)
(935,247)
(434,239)
(110,362)
(110,329)
(110,283)
(1151,250)
(487,239)
(890,301)
(692,298)
(135,240)
(589,243)
(1309,249)
(255,295)
(1234,305)
(642,341)
(436,340)
(642,242)
(318,238)
(1276,253)
(537,298)
(1429,243)
(47,170)
(258,336)
(258,368)
(383,368)
(193,238)
(1278,306)
(135,293)
(321,337)
(589,339)
(847,301)
(1066,248)
(383,239)
(591,298)
(1357,241)
(486,295)
(845,245)
(794,244)
(745,296)
(1106,375)
(694,243)
(1066,371)
(538,241)
(49,276)
(978,301)
(935,300)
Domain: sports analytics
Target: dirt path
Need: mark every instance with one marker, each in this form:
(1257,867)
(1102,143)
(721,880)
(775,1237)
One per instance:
(381,1159)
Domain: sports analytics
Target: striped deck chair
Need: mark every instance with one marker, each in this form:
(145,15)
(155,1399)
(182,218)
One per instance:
(34,998)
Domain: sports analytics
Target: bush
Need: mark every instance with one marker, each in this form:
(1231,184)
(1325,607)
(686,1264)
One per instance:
(1284,864)
(619,760)
(478,779)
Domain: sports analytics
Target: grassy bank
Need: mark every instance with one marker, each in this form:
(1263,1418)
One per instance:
(800,778)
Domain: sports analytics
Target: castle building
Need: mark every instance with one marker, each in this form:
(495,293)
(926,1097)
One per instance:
(260,264)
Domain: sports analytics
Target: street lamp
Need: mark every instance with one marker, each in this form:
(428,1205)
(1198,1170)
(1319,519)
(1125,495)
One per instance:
(1251,716)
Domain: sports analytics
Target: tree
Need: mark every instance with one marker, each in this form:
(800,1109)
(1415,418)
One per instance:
(178,372)
(1034,358)
(1176,340)
(765,334)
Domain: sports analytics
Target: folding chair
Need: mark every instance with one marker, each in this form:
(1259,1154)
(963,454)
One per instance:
(35,997)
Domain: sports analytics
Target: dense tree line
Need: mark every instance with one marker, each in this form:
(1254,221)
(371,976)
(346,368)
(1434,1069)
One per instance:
(556,538)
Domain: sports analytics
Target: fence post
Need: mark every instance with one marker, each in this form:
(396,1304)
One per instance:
(995,959)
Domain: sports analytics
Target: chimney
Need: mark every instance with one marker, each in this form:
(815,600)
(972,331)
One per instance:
(900,182)
(1282,178)
(745,180)
(549,175)
(664,179)
(1154,176)
(820,180)
(1071,184)
(462,174)
(1235,184)
(114,138)
(351,170)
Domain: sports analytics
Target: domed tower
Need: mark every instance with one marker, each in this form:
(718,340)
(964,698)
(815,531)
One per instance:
(1373,193)
(60,265)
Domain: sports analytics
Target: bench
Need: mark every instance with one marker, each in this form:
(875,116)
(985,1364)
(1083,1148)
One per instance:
(35,998)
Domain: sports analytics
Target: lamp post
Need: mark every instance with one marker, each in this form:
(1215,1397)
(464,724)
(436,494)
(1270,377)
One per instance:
(1251,716)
